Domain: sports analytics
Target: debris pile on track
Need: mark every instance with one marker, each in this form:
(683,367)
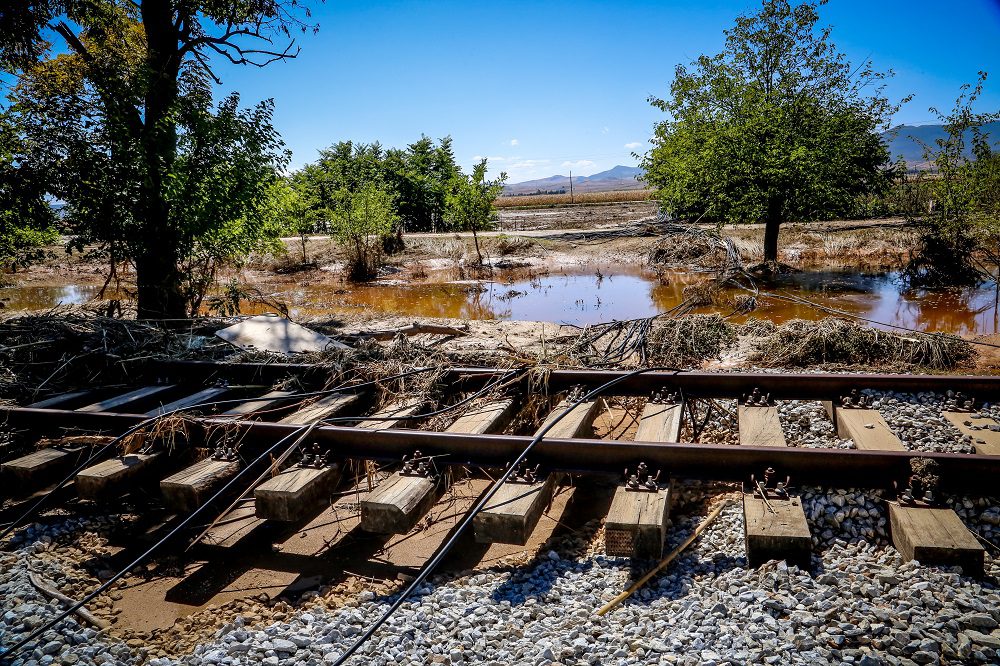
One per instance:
(833,341)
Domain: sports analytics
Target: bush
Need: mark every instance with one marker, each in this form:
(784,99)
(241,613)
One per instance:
(362,221)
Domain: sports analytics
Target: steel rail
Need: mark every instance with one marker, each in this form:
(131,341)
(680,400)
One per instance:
(841,468)
(781,385)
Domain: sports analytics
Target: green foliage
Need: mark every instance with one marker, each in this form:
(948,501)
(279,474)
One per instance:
(471,204)
(361,221)
(777,126)
(421,176)
(964,222)
(27,222)
(116,102)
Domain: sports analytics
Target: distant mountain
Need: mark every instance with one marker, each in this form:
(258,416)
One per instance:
(616,178)
(904,141)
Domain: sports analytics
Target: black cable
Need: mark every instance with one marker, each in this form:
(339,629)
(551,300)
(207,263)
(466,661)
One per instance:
(446,547)
(443,410)
(304,430)
(153,419)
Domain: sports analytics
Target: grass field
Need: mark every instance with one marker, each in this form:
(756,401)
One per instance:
(533,200)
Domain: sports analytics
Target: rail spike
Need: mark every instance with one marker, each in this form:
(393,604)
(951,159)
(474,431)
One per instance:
(855,400)
(664,396)
(757,398)
(643,480)
(315,458)
(417,465)
(524,474)
(922,486)
(957,401)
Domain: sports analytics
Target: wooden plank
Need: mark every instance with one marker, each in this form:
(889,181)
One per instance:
(486,419)
(189,488)
(760,426)
(985,441)
(395,410)
(865,427)
(636,525)
(935,537)
(513,512)
(112,477)
(277,334)
(575,424)
(515,509)
(126,399)
(205,395)
(60,401)
(323,408)
(398,503)
(265,401)
(779,535)
(660,422)
(291,494)
(32,470)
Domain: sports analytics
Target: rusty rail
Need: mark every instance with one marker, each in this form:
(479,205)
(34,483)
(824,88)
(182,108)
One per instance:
(781,385)
(968,473)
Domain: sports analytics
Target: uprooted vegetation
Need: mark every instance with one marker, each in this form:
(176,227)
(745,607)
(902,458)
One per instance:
(800,344)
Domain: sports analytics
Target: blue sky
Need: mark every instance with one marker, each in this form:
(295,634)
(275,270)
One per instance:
(544,88)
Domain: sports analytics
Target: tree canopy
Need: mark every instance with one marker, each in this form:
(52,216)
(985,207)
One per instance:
(778,125)
(421,176)
(115,99)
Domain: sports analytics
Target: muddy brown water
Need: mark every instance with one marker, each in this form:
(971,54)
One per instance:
(589,294)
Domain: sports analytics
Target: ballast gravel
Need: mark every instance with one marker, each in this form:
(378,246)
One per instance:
(859,603)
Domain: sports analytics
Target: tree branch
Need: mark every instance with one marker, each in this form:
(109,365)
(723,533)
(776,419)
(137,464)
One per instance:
(111,101)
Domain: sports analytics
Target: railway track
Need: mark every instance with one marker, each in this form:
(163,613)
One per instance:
(257,465)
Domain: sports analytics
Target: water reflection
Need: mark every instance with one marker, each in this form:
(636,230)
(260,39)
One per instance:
(590,294)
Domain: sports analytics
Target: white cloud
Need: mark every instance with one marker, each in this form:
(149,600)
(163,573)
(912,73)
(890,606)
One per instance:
(605,130)
(633,145)
(514,142)
(579,164)
(528,164)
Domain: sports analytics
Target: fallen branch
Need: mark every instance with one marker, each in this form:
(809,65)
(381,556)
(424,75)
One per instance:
(46,589)
(413,329)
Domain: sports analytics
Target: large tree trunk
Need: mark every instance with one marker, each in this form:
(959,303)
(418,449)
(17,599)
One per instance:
(157,275)
(772,225)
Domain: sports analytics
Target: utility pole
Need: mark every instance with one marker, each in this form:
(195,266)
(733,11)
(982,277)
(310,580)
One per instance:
(571,186)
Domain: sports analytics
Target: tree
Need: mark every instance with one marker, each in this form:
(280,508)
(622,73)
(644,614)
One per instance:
(133,61)
(362,219)
(964,224)
(27,221)
(778,125)
(471,204)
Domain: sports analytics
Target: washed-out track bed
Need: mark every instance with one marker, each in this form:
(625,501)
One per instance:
(222,468)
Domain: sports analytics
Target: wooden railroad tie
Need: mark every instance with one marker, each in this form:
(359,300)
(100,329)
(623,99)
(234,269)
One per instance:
(399,502)
(759,422)
(35,469)
(865,427)
(935,537)
(776,529)
(290,495)
(111,478)
(128,400)
(516,507)
(985,440)
(189,488)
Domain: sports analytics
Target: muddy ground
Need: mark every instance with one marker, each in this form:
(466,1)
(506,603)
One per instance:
(547,237)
